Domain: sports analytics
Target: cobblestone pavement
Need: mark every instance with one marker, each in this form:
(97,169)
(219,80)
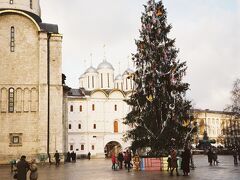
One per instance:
(100,169)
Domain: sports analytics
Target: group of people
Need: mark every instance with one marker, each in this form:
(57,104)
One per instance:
(22,167)
(117,161)
(185,163)
(71,157)
(212,157)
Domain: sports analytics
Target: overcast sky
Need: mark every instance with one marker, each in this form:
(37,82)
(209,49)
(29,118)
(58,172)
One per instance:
(207,33)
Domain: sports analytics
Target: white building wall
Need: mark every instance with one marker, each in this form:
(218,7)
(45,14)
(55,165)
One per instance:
(103,116)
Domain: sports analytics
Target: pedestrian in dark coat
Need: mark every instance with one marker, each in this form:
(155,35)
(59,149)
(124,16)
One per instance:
(186,156)
(128,159)
(120,159)
(57,158)
(22,169)
(68,157)
(239,153)
(235,156)
(125,159)
(89,155)
(210,156)
(169,163)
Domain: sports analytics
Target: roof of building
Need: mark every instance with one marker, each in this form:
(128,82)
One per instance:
(91,70)
(118,77)
(50,28)
(82,92)
(105,65)
(128,71)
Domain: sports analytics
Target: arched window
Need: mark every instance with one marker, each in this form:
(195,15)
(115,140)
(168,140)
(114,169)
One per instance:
(93,107)
(115,107)
(71,108)
(94,126)
(92,81)
(80,108)
(11,100)
(79,126)
(101,80)
(12,39)
(108,80)
(115,126)
(31,4)
(88,82)
(69,126)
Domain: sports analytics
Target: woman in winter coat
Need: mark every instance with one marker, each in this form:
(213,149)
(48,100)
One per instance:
(33,170)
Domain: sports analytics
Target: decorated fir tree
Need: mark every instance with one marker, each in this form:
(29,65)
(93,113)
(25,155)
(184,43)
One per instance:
(159,107)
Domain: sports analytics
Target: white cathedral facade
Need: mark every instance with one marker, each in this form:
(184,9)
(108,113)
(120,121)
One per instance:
(96,111)
(31,91)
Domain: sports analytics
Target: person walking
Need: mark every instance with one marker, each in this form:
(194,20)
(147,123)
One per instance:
(22,168)
(128,160)
(73,156)
(169,163)
(235,156)
(210,156)
(174,162)
(239,153)
(33,170)
(215,158)
(125,159)
(186,156)
(57,158)
(120,159)
(68,157)
(113,161)
(89,155)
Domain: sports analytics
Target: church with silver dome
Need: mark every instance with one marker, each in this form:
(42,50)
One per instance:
(96,111)
(103,77)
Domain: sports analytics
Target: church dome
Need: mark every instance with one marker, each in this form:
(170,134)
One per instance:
(118,77)
(128,71)
(29,6)
(91,70)
(105,65)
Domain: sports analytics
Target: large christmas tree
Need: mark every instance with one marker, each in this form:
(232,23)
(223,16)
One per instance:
(159,107)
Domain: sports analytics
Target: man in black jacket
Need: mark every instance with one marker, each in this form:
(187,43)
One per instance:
(22,168)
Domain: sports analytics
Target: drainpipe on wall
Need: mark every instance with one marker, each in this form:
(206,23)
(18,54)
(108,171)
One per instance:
(48,98)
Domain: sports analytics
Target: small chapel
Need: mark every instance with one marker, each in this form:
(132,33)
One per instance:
(31,90)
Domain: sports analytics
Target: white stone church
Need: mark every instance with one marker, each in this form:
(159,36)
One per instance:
(31,91)
(96,111)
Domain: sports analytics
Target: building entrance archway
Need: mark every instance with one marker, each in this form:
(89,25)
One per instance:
(112,147)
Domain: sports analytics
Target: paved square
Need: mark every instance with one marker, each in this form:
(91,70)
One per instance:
(100,169)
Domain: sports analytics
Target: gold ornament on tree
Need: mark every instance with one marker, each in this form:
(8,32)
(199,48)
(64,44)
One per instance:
(159,12)
(150,98)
